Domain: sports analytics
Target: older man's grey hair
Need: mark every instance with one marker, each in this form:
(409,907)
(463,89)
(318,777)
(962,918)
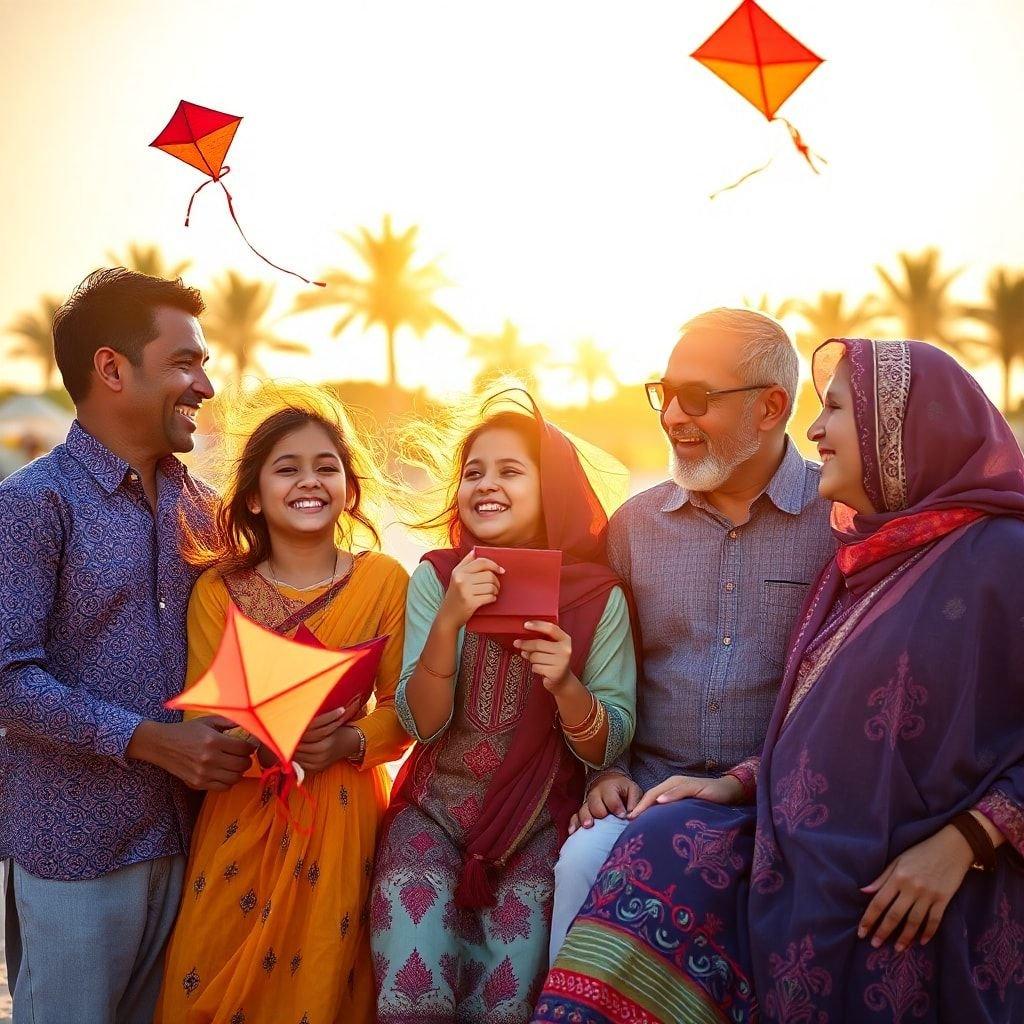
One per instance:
(768,355)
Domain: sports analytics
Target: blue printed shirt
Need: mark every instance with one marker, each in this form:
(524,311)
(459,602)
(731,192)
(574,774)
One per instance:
(93,596)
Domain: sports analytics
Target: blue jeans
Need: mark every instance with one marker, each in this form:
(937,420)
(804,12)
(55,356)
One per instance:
(577,867)
(90,952)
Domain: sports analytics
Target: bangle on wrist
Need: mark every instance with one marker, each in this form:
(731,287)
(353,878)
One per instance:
(590,726)
(360,754)
(982,848)
(420,663)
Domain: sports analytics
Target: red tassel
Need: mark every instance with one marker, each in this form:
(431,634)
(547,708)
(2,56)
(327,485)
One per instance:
(286,785)
(801,147)
(475,888)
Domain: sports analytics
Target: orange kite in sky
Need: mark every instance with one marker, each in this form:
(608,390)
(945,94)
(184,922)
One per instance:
(764,63)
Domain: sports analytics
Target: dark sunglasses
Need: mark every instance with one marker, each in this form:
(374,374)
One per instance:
(692,398)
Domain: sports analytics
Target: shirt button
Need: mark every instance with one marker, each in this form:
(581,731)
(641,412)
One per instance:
(162,603)
(730,587)
(726,640)
(134,477)
(713,706)
(710,764)
(733,534)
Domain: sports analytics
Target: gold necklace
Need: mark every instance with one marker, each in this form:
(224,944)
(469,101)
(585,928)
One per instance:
(313,586)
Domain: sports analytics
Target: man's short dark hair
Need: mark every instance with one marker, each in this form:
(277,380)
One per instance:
(115,309)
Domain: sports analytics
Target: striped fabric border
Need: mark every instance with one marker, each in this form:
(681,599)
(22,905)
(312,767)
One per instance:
(608,956)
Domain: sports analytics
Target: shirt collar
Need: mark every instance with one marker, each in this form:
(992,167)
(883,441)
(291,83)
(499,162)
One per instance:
(108,469)
(786,488)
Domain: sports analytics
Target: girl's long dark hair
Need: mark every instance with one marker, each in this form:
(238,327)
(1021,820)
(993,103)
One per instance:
(240,538)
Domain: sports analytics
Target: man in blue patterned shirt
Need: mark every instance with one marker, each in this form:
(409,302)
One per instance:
(719,559)
(95,816)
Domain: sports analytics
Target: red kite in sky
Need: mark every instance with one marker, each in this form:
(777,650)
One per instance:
(765,64)
(201,137)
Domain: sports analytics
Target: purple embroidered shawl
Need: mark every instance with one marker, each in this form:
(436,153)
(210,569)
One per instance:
(899,709)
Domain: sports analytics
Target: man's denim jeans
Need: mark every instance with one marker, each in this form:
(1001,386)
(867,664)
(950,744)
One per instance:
(90,951)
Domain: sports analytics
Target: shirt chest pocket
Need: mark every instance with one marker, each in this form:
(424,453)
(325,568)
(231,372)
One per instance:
(781,601)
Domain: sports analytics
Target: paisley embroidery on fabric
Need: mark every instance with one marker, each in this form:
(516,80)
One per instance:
(1001,949)
(708,853)
(795,805)
(796,984)
(896,700)
(901,990)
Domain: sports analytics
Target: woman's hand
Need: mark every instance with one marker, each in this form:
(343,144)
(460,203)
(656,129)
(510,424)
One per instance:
(474,583)
(725,790)
(324,742)
(916,887)
(548,658)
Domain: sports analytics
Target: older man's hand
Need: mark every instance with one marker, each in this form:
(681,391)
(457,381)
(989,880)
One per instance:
(610,793)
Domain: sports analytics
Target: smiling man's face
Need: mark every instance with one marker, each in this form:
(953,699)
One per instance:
(168,387)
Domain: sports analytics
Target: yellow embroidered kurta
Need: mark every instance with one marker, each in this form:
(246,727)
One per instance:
(273,923)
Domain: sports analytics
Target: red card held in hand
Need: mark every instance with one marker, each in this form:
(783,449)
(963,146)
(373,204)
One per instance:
(529,590)
(357,682)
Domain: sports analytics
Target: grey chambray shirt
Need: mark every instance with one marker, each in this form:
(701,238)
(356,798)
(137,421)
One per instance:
(716,605)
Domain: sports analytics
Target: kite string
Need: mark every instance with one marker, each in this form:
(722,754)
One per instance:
(231,210)
(287,783)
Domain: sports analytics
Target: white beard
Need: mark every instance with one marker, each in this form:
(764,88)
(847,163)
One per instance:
(711,471)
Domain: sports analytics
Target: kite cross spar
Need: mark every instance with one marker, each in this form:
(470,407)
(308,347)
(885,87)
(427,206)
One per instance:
(200,137)
(760,60)
(273,686)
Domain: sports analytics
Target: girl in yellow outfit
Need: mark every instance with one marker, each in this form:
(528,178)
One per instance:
(273,925)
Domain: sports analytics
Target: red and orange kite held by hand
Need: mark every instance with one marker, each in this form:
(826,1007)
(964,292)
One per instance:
(200,137)
(273,687)
(764,64)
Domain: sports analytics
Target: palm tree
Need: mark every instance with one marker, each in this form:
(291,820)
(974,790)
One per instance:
(235,322)
(920,300)
(776,310)
(394,293)
(591,366)
(34,333)
(506,353)
(828,317)
(1003,315)
(148,259)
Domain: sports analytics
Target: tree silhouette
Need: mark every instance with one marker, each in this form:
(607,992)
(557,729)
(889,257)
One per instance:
(235,322)
(148,259)
(776,310)
(591,365)
(918,296)
(829,317)
(506,354)
(394,293)
(33,332)
(1003,315)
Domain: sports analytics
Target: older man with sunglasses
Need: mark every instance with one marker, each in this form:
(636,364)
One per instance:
(719,559)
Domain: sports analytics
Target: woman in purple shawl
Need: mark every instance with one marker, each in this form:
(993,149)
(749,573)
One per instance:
(878,877)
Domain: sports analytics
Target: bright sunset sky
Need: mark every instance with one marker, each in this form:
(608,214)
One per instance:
(558,155)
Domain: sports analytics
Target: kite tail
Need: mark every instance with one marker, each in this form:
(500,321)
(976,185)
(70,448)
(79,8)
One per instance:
(801,147)
(284,270)
(739,181)
(288,782)
(209,181)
